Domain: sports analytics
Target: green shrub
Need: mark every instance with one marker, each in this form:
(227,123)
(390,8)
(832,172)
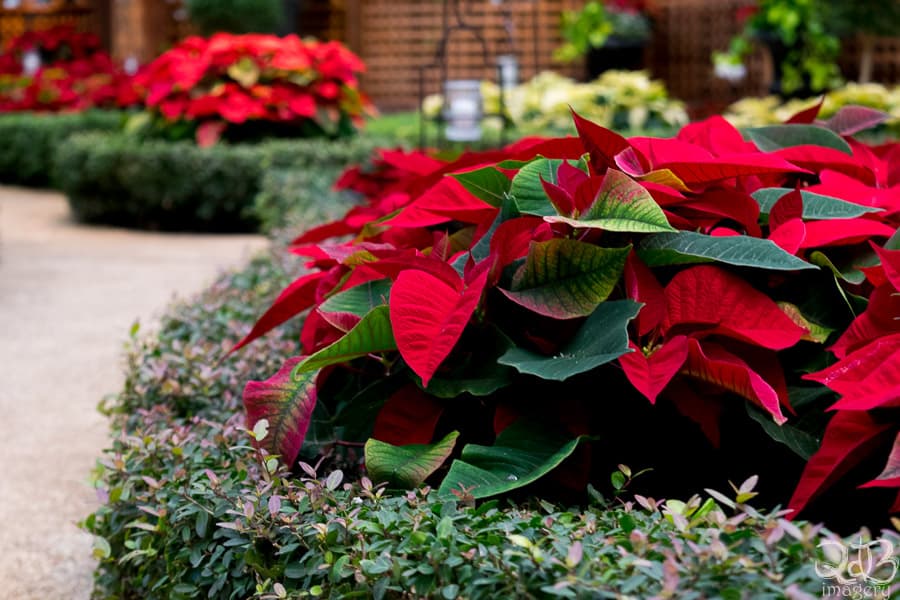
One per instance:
(153,183)
(236,16)
(190,512)
(30,139)
(303,195)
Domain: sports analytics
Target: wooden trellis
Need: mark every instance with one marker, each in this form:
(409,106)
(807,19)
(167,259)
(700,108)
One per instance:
(395,37)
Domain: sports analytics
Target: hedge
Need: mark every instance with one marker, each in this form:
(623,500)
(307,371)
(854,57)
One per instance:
(28,141)
(193,511)
(151,183)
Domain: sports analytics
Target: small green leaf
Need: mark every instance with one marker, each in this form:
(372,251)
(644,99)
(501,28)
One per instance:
(523,453)
(202,523)
(622,204)
(528,190)
(602,339)
(663,249)
(618,480)
(406,466)
(487,184)
(372,334)
(566,279)
(776,137)
(102,549)
(815,206)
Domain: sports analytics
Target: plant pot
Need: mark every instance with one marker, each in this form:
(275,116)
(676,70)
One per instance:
(616,53)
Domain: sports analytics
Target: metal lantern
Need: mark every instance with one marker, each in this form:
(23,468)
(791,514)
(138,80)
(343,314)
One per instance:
(462,110)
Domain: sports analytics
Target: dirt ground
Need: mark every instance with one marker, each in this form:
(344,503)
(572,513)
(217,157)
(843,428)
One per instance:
(68,295)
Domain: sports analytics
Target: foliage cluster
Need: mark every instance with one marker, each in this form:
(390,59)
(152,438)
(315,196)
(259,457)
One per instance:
(802,39)
(620,100)
(122,179)
(74,73)
(30,141)
(597,24)
(694,283)
(190,511)
(770,110)
(252,86)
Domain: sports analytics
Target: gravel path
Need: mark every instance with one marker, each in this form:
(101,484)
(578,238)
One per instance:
(68,295)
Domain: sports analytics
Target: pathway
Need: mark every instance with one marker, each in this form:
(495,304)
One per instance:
(68,295)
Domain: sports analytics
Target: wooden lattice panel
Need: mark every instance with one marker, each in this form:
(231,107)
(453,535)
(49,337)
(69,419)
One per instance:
(396,37)
(686,33)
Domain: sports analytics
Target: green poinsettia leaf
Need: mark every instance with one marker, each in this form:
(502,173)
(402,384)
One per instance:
(522,453)
(372,334)
(803,443)
(622,204)
(743,251)
(776,137)
(602,339)
(848,269)
(566,279)
(528,191)
(480,374)
(815,206)
(407,466)
(487,184)
(359,300)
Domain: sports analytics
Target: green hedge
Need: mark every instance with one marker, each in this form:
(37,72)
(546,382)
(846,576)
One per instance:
(192,511)
(125,180)
(28,141)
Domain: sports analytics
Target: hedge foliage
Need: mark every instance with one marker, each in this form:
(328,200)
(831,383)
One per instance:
(193,511)
(29,141)
(125,180)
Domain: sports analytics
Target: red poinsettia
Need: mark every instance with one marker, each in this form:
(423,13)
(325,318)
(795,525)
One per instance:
(232,80)
(74,73)
(697,266)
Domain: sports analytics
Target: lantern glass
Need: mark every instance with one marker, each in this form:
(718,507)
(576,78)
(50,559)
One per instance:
(463,110)
(509,71)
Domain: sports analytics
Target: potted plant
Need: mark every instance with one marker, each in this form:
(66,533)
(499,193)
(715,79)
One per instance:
(796,33)
(611,35)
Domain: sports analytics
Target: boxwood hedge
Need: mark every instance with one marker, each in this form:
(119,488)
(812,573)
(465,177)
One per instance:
(28,141)
(126,180)
(193,511)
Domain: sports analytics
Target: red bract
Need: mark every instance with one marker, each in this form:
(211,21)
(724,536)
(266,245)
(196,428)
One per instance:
(510,290)
(75,74)
(306,87)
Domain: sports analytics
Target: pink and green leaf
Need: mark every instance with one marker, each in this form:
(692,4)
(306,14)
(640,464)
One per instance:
(621,204)
(286,401)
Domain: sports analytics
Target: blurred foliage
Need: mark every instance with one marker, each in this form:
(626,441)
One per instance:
(627,101)
(29,141)
(771,110)
(236,16)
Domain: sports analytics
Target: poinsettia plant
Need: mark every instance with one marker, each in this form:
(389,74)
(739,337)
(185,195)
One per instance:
(72,73)
(545,310)
(253,85)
